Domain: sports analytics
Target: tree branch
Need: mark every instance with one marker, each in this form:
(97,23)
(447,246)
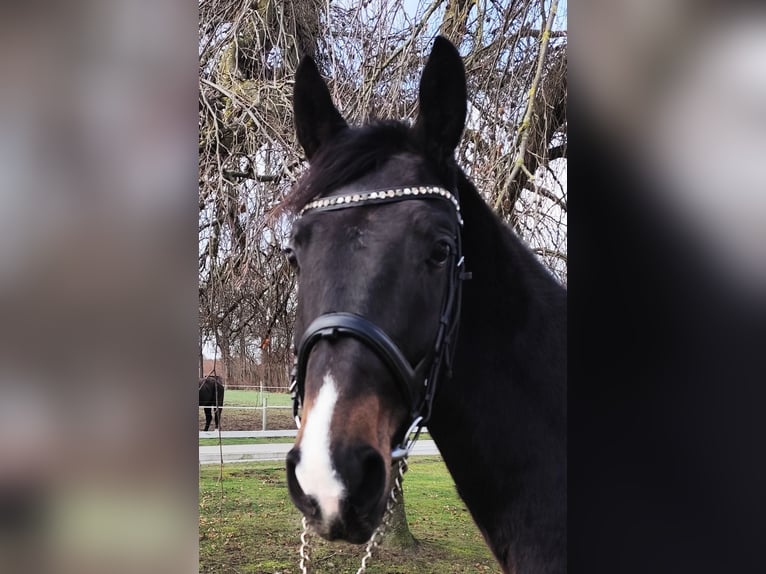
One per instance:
(532,33)
(524,129)
(548,194)
(270,178)
(546,252)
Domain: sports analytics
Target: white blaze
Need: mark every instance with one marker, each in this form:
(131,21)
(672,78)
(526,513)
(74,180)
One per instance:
(315,471)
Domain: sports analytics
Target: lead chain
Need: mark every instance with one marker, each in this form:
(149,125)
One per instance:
(305,550)
(377,535)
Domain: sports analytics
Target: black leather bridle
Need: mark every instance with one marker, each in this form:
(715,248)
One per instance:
(417,384)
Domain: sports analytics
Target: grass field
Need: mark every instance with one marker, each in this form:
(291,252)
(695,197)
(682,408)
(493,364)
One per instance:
(233,419)
(228,441)
(252,398)
(251,419)
(254,528)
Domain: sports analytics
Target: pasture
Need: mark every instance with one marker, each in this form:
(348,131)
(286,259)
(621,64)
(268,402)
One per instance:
(252,398)
(279,414)
(249,525)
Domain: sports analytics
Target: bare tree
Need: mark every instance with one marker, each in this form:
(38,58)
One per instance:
(514,146)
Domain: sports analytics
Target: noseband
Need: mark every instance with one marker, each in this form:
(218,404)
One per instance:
(413,382)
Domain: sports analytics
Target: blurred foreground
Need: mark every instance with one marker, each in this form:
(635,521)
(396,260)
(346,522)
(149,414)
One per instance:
(98,289)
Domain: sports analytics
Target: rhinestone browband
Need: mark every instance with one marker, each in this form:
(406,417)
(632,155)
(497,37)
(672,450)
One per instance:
(384,196)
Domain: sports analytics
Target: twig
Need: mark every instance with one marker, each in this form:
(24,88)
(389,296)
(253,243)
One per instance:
(548,194)
(546,252)
(395,54)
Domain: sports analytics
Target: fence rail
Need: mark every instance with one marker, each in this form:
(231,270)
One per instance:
(249,434)
(264,407)
(237,387)
(250,407)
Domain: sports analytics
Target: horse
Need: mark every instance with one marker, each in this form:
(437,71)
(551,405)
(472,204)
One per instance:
(417,303)
(211,391)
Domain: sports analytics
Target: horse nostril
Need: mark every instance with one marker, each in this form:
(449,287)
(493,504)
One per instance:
(366,479)
(306,503)
(293,486)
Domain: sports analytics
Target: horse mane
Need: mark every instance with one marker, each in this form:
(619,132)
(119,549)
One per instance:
(351,154)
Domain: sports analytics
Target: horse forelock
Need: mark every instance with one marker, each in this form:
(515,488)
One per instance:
(352,154)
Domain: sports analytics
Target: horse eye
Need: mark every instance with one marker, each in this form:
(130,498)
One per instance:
(440,253)
(292,259)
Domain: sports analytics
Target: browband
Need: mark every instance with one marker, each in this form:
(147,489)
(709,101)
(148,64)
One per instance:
(383,196)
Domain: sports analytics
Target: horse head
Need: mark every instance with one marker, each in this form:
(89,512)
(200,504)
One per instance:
(376,248)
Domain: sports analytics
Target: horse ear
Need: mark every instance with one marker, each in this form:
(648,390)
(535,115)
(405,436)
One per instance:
(316,118)
(442,100)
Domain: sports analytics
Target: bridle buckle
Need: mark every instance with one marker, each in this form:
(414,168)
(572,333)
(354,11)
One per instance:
(403,449)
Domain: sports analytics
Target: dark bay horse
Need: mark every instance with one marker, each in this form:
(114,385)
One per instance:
(211,395)
(393,246)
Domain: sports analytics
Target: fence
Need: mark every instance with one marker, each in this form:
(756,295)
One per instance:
(262,400)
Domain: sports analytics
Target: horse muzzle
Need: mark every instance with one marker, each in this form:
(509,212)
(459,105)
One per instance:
(347,504)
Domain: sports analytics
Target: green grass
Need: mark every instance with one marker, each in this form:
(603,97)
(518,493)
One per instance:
(264,440)
(253,527)
(253,398)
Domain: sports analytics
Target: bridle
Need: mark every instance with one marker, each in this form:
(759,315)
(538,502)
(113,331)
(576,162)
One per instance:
(413,381)
(417,383)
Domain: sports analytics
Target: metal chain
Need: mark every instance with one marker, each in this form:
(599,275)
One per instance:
(377,535)
(305,548)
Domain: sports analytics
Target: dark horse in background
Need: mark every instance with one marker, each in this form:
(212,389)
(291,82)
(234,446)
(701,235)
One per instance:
(211,395)
(378,268)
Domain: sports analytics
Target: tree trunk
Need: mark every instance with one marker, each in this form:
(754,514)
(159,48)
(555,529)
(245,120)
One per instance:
(243,363)
(398,535)
(224,344)
(201,357)
(455,20)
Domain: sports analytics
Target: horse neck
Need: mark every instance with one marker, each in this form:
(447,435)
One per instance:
(500,421)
